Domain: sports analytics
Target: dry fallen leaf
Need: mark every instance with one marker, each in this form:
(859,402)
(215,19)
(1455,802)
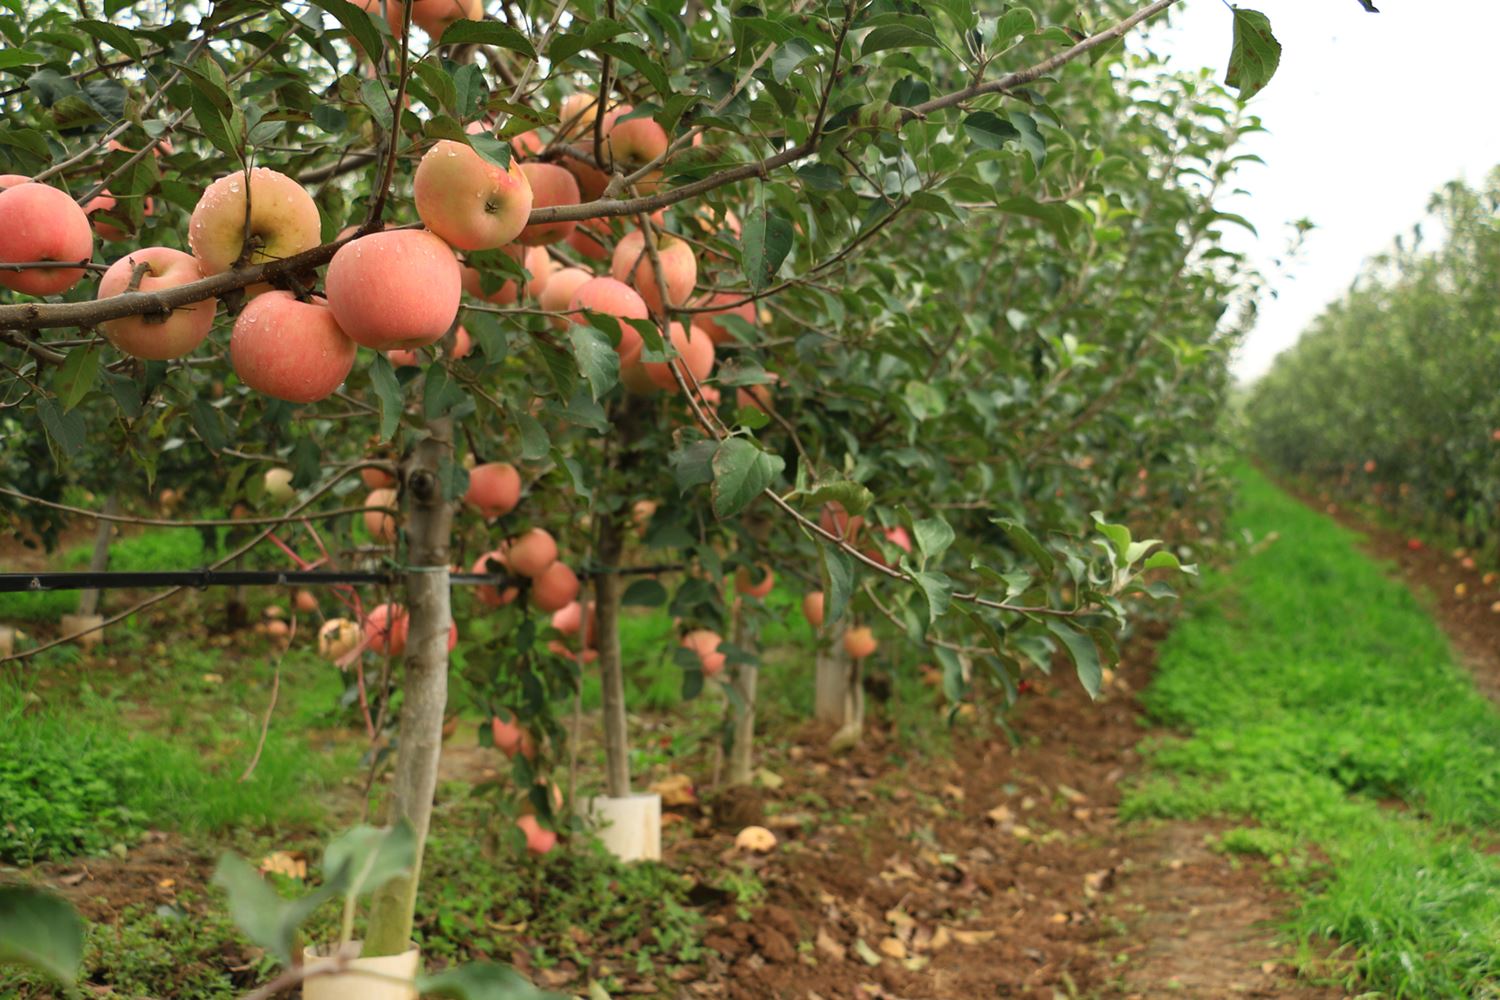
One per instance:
(865,952)
(941,938)
(974,937)
(892,947)
(953,792)
(825,943)
(292,864)
(899,918)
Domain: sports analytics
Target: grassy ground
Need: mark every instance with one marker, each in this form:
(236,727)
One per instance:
(1324,705)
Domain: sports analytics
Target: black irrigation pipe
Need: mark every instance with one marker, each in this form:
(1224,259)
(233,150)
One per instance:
(11,583)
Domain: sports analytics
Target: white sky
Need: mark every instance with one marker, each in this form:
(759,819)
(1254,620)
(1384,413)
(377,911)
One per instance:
(1367,116)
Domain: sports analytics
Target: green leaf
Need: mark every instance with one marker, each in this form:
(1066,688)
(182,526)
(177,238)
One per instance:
(114,36)
(496,33)
(1026,543)
(741,471)
(266,918)
(788,57)
(1255,55)
(208,421)
(596,359)
(534,440)
(693,464)
(65,429)
(481,981)
(359,24)
(1118,535)
(1031,139)
(765,241)
(76,376)
(989,131)
(437,80)
(367,857)
(934,535)
(855,498)
(642,62)
(388,391)
(912,32)
(1061,220)
(644,594)
(20,57)
(838,581)
(1083,653)
(937,588)
(41,931)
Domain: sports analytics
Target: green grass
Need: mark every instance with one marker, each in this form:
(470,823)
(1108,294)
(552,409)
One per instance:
(1322,703)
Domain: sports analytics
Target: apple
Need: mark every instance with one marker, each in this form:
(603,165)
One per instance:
(576,114)
(632,143)
(283,220)
(380,525)
(288,349)
(554,588)
(523,145)
(632,264)
(494,489)
(706,645)
(695,355)
(394,289)
(812,608)
(531,553)
(434,16)
(588,239)
(756,396)
(609,297)
(561,286)
(385,629)
(105,202)
(490,564)
(591,180)
(859,642)
(835,520)
(305,601)
(278,484)
(376,479)
(550,185)
(508,734)
(746,584)
(469,201)
(539,841)
(462,345)
(337,638)
(39,222)
(641,513)
(537,262)
(11,180)
(711,321)
(149,337)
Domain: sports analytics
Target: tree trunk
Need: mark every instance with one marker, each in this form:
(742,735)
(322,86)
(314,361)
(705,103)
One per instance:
(88,601)
(429,525)
(839,699)
(742,749)
(611,670)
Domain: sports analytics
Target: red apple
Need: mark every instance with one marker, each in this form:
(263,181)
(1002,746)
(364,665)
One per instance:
(283,220)
(376,479)
(561,286)
(492,596)
(695,356)
(434,16)
(709,321)
(550,185)
(386,628)
(589,239)
(394,289)
(152,337)
(469,201)
(380,525)
(462,345)
(632,264)
(812,608)
(288,349)
(747,583)
(612,298)
(554,588)
(632,143)
(706,645)
(39,222)
(531,553)
(859,642)
(539,840)
(494,489)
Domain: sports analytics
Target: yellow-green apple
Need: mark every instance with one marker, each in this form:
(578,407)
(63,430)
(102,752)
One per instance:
(469,201)
(550,185)
(289,349)
(337,638)
(494,489)
(558,294)
(462,345)
(632,264)
(710,321)
(380,525)
(555,587)
(394,289)
(156,338)
(532,552)
(695,355)
(283,220)
(39,222)
(859,642)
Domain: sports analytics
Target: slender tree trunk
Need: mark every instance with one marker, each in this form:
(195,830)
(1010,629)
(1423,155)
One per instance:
(89,601)
(742,750)
(611,670)
(429,526)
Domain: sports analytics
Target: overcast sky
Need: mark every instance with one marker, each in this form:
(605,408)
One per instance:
(1368,115)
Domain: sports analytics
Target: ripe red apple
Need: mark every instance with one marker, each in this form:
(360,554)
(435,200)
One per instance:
(554,587)
(633,143)
(575,115)
(550,185)
(705,644)
(632,264)
(758,396)
(152,337)
(537,262)
(394,289)
(568,619)
(747,584)
(539,840)
(305,601)
(11,180)
(288,349)
(492,596)
(508,734)
(559,292)
(40,222)
(588,239)
(531,553)
(105,202)
(380,525)
(859,642)
(376,479)
(386,628)
(494,489)
(283,220)
(836,521)
(612,298)
(696,356)
(462,345)
(812,608)
(469,201)
(434,16)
